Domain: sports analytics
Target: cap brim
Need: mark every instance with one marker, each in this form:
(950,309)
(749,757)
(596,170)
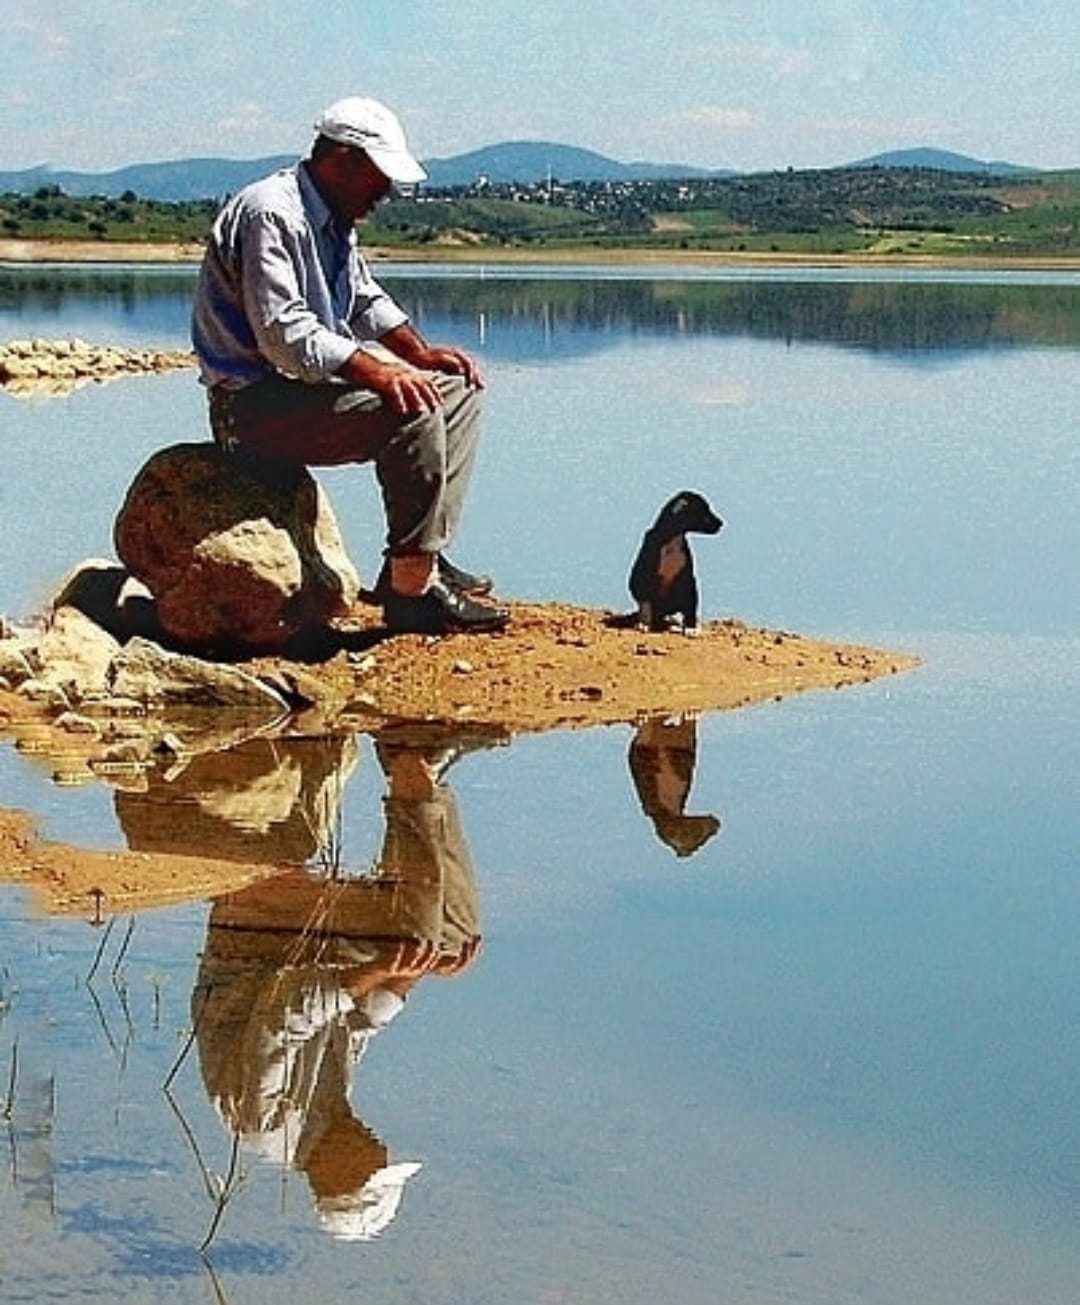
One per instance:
(397,165)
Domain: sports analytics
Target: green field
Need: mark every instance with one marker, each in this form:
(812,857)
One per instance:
(883,211)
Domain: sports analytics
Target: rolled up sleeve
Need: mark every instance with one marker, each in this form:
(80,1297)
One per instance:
(374,311)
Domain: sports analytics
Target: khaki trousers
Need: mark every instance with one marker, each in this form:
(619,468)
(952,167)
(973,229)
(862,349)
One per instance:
(423,464)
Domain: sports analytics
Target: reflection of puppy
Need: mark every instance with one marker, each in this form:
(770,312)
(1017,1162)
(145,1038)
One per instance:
(662,580)
(662,758)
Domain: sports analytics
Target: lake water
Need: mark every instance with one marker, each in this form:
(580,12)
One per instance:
(833,1056)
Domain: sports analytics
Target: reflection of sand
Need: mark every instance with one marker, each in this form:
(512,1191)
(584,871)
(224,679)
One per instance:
(68,880)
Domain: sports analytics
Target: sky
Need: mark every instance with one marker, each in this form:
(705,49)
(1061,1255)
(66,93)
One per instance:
(745,84)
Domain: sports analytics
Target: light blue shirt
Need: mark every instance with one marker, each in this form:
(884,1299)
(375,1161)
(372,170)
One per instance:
(283,288)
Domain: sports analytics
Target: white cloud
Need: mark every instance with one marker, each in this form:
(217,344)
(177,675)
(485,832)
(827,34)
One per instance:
(713,117)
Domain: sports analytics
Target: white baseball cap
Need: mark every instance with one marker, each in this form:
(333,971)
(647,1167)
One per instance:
(361,1216)
(370,126)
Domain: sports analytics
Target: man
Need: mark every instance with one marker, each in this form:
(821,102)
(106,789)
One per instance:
(307,358)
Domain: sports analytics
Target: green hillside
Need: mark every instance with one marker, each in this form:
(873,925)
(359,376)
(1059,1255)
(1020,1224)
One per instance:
(51,214)
(874,210)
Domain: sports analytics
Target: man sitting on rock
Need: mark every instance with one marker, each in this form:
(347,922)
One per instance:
(307,358)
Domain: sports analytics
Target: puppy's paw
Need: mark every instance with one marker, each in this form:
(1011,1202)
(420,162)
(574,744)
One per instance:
(691,631)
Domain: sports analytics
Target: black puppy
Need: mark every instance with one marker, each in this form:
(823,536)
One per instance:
(662,580)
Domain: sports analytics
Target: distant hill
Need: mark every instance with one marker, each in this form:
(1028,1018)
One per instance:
(181,179)
(943,160)
(528,162)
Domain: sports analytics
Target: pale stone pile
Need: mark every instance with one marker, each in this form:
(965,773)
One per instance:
(223,557)
(97,702)
(36,367)
(81,657)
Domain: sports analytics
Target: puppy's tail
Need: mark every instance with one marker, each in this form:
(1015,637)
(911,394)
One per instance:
(621,620)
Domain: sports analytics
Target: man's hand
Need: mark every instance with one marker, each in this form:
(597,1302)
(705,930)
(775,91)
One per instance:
(456,362)
(406,391)
(409,393)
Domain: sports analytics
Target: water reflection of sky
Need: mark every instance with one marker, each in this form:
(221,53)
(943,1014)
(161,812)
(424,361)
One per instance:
(829,1054)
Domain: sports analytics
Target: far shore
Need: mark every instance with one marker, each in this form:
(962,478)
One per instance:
(33,252)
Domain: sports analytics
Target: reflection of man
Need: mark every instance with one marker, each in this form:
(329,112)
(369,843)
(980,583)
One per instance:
(662,758)
(299,974)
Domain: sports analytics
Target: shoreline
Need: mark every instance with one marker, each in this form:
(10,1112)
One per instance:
(557,667)
(105,253)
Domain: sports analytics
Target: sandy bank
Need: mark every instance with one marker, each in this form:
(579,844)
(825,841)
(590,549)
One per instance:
(105,252)
(556,667)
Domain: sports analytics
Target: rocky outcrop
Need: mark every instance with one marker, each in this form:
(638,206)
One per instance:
(35,367)
(132,667)
(99,699)
(88,655)
(240,554)
(149,674)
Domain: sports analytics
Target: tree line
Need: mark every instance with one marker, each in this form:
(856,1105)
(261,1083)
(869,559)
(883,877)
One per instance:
(873,209)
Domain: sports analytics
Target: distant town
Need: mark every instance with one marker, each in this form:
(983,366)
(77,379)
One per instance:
(845,211)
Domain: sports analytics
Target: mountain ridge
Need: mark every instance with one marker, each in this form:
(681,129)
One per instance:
(524,162)
(928,156)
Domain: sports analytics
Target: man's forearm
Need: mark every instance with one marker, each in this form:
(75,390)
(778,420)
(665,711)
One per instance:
(407,344)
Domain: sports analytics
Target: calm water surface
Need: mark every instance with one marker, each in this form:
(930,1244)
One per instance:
(830,1056)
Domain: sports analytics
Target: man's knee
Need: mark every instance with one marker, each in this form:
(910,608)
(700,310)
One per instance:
(462,408)
(457,393)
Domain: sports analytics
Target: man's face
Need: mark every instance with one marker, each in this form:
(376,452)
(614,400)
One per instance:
(354,185)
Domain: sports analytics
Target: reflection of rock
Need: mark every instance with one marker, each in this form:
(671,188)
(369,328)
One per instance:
(662,758)
(300,973)
(268,800)
(196,824)
(239,552)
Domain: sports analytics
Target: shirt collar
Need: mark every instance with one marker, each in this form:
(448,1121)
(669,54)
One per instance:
(317,209)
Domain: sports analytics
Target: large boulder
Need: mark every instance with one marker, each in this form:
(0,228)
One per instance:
(241,553)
